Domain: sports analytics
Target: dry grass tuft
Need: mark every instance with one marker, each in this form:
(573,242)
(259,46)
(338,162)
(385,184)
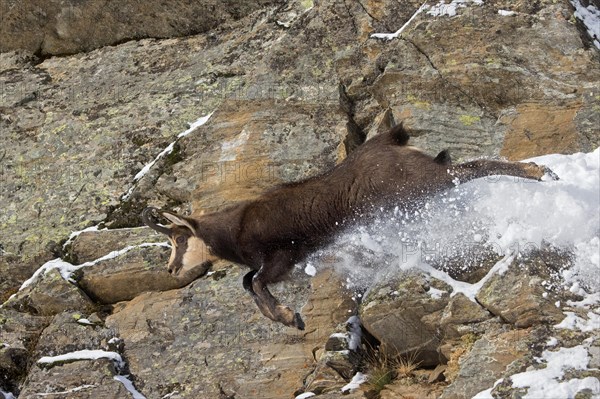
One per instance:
(406,365)
(383,369)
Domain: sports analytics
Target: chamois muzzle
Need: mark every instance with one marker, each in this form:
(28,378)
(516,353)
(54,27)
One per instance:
(147,219)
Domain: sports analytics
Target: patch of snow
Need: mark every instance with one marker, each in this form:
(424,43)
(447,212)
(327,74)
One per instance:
(435,293)
(390,36)
(353,337)
(129,386)
(533,218)
(7,395)
(506,13)
(74,234)
(574,322)
(230,148)
(192,126)
(588,301)
(147,168)
(355,331)
(590,17)
(487,394)
(305,395)
(450,9)
(549,381)
(358,379)
(551,342)
(114,340)
(338,335)
(85,322)
(76,389)
(310,269)
(45,268)
(469,290)
(84,355)
(195,125)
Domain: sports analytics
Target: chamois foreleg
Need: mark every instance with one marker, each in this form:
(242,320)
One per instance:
(483,167)
(256,284)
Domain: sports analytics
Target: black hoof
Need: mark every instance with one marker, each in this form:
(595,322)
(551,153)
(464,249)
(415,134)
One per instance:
(298,322)
(247,282)
(549,174)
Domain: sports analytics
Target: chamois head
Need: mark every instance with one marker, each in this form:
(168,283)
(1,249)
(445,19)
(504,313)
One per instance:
(187,249)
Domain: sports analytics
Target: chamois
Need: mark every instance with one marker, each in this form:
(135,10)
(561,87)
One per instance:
(281,227)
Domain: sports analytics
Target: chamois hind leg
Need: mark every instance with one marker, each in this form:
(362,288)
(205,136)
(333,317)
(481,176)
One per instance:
(247,283)
(269,306)
(484,167)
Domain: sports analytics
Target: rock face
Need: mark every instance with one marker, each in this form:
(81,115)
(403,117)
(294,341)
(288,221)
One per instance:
(422,316)
(59,28)
(291,88)
(201,345)
(50,295)
(20,333)
(499,349)
(480,340)
(81,378)
(524,305)
(249,151)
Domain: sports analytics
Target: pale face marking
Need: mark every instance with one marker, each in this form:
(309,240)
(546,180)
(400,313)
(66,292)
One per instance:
(188,254)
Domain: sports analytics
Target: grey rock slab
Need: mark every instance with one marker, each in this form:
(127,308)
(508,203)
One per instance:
(92,245)
(487,361)
(52,28)
(247,148)
(84,379)
(209,336)
(404,317)
(141,269)
(69,332)
(50,294)
(66,333)
(518,295)
(19,333)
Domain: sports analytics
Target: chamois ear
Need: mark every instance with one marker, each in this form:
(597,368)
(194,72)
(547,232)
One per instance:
(399,134)
(443,158)
(183,221)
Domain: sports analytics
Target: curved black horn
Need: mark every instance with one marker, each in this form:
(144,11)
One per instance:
(147,219)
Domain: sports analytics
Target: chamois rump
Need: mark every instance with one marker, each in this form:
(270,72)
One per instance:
(280,228)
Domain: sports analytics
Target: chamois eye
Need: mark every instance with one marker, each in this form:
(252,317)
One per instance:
(180,240)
